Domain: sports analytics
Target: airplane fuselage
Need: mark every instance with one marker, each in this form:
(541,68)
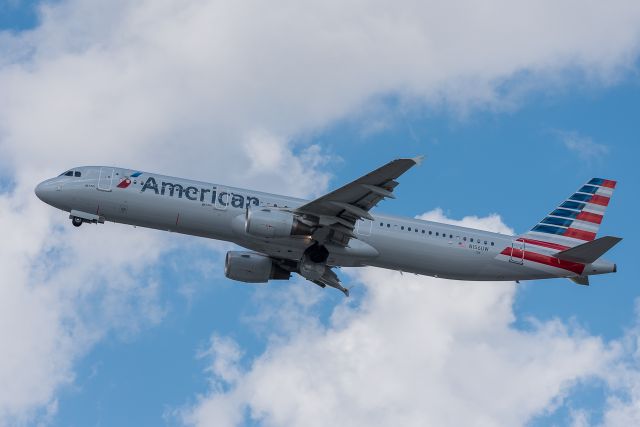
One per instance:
(218,212)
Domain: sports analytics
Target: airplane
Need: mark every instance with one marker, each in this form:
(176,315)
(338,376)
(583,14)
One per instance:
(284,235)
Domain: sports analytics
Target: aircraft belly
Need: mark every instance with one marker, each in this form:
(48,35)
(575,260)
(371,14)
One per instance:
(450,261)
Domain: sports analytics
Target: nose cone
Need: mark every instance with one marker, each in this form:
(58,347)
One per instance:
(43,191)
(40,191)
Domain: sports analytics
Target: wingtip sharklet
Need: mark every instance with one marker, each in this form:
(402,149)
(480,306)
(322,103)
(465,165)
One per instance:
(418,159)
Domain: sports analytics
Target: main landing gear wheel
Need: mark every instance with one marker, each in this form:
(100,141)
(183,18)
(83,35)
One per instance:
(77,222)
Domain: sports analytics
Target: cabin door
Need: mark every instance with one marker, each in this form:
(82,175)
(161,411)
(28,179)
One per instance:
(105,179)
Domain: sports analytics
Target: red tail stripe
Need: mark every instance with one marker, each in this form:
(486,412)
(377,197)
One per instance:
(544,244)
(599,200)
(608,183)
(589,217)
(574,267)
(579,234)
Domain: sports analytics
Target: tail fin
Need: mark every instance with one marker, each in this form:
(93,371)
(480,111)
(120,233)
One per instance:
(577,219)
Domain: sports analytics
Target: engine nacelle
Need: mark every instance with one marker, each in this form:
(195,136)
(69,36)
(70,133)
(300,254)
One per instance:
(267,222)
(251,267)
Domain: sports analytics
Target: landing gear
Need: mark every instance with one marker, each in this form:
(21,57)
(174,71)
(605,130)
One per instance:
(317,253)
(313,267)
(76,221)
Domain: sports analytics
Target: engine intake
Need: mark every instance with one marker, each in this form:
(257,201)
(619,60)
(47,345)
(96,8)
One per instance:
(266,222)
(251,267)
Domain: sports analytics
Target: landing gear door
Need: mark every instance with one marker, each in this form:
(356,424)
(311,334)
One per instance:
(517,252)
(105,179)
(363,227)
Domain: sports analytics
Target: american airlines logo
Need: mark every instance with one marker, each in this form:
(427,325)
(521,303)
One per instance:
(126,181)
(204,195)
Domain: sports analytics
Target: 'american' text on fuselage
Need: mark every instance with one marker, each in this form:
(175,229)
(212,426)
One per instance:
(204,195)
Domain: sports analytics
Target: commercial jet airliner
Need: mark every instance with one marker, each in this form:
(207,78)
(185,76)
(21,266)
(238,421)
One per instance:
(285,235)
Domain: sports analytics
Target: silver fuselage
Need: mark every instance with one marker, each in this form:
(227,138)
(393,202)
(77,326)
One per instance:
(217,211)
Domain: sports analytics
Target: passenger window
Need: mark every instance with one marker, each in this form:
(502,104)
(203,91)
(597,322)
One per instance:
(416,230)
(381,224)
(430,233)
(388,225)
(422,231)
(409,229)
(70,173)
(491,243)
(464,238)
(485,242)
(451,236)
(402,228)
(471,239)
(437,234)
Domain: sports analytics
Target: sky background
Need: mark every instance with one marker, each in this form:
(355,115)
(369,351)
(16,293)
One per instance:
(514,105)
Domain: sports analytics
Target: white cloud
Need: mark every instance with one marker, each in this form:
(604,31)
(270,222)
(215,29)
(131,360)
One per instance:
(218,91)
(416,351)
(492,222)
(60,293)
(583,146)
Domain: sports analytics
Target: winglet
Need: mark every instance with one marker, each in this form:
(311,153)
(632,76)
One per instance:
(418,160)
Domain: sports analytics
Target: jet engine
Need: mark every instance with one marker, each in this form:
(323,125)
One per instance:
(251,267)
(267,222)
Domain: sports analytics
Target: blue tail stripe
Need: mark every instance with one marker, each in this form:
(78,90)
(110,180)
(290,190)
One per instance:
(564,213)
(581,197)
(557,221)
(548,229)
(573,205)
(588,189)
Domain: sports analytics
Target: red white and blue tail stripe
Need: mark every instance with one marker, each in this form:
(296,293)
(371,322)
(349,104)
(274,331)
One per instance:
(574,222)
(577,219)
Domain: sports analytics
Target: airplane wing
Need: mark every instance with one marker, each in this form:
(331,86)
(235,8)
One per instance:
(338,211)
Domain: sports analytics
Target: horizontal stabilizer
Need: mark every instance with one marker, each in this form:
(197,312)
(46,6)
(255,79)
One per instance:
(590,251)
(580,280)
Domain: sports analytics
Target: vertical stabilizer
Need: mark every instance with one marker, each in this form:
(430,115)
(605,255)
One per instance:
(576,220)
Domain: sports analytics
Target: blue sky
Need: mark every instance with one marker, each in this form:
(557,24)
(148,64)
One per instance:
(141,348)
(18,15)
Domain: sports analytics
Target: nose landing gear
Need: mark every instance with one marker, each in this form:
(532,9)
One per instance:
(79,217)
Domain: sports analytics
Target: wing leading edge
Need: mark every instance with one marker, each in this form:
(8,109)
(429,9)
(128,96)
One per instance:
(337,212)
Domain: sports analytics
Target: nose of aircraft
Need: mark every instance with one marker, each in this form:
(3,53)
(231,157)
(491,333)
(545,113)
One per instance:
(39,190)
(43,191)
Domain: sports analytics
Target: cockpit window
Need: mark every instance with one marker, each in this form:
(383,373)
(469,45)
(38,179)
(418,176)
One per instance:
(77,174)
(69,173)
